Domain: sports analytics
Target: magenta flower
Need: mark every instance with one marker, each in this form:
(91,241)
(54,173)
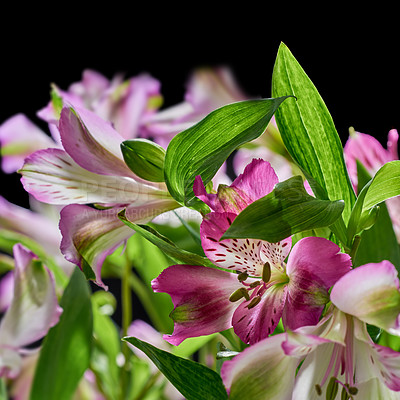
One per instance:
(266,289)
(33,310)
(338,351)
(91,170)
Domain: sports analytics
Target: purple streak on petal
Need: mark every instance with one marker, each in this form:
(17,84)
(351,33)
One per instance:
(389,361)
(20,131)
(255,324)
(92,142)
(201,299)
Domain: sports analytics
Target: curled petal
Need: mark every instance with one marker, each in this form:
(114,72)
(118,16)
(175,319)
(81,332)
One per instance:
(92,142)
(201,300)
(371,293)
(52,176)
(261,371)
(89,234)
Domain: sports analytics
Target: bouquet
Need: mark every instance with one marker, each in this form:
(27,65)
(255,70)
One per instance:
(226,247)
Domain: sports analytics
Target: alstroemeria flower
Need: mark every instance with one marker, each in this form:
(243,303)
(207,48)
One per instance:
(20,137)
(337,352)
(91,170)
(266,289)
(123,102)
(33,311)
(373,155)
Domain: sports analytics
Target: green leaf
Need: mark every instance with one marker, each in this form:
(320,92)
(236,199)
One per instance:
(195,381)
(65,353)
(204,147)
(287,210)
(384,185)
(309,133)
(164,244)
(145,158)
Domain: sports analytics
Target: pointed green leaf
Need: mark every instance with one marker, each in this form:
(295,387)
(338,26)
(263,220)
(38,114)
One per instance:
(145,158)
(204,147)
(309,133)
(195,381)
(65,353)
(288,209)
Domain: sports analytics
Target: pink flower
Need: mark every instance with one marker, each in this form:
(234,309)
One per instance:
(337,352)
(211,300)
(372,155)
(90,169)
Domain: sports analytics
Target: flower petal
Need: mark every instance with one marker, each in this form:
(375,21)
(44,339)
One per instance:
(319,257)
(90,234)
(260,372)
(257,180)
(52,176)
(19,137)
(371,293)
(235,254)
(255,324)
(34,308)
(92,142)
(201,300)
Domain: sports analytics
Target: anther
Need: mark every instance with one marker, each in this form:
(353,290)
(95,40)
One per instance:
(353,390)
(239,294)
(318,389)
(242,276)
(254,301)
(332,389)
(255,284)
(266,272)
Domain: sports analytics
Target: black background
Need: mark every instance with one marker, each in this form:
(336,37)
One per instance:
(353,62)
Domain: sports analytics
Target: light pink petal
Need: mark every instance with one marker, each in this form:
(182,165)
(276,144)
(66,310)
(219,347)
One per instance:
(257,180)
(34,308)
(255,324)
(90,234)
(92,142)
(201,300)
(41,228)
(52,176)
(19,137)
(6,290)
(392,143)
(369,152)
(126,108)
(261,372)
(371,293)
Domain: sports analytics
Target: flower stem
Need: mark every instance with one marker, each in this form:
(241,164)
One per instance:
(126,305)
(354,247)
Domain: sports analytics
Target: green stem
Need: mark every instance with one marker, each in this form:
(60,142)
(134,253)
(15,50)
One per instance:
(126,305)
(354,247)
(142,292)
